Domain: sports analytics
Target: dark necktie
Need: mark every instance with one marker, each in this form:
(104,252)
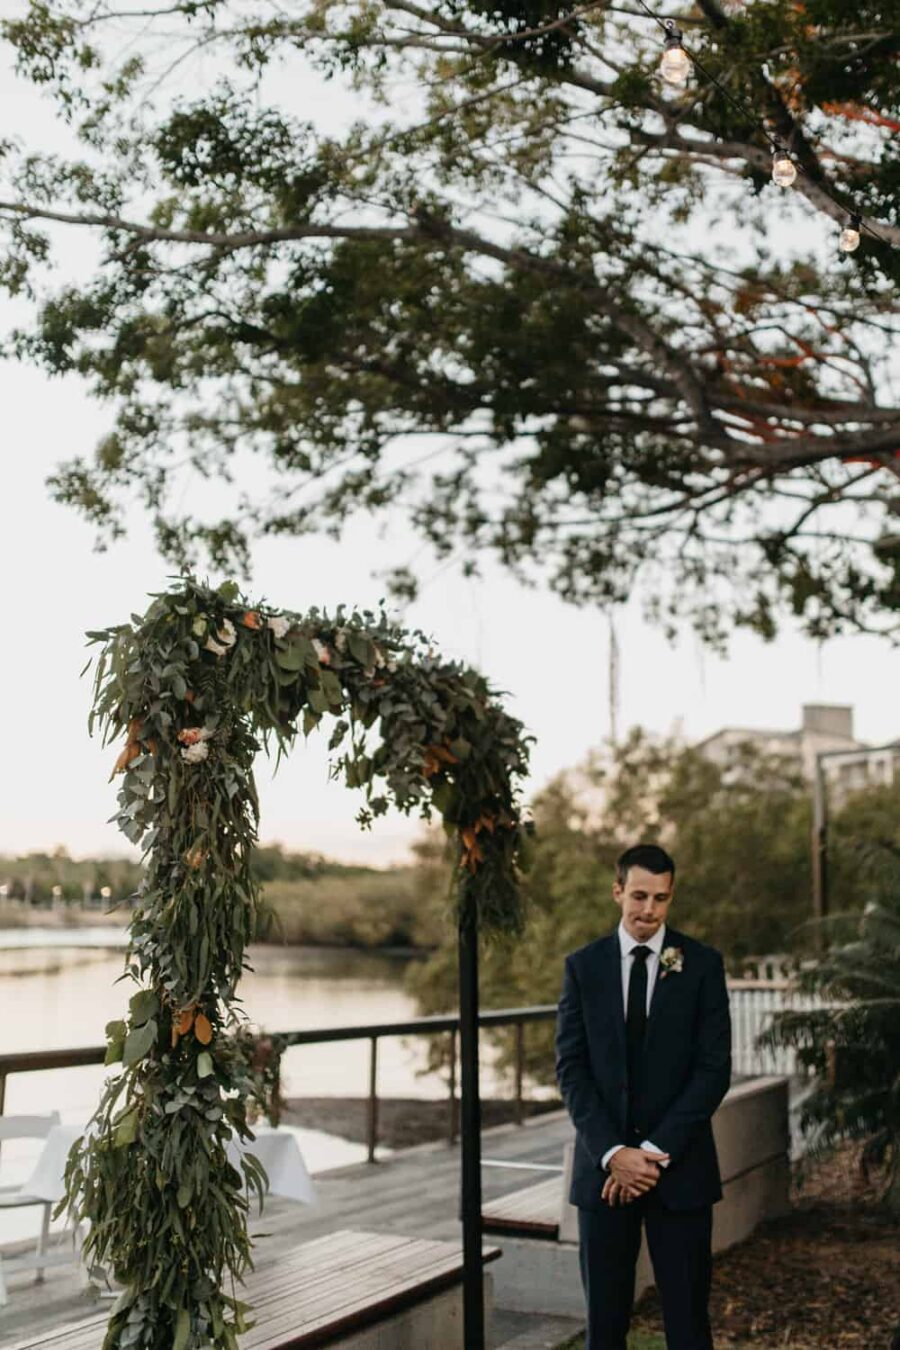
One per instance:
(636,1022)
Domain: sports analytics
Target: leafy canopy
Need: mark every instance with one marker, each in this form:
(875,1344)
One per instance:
(525,297)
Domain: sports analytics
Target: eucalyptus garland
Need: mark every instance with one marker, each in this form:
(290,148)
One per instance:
(198,685)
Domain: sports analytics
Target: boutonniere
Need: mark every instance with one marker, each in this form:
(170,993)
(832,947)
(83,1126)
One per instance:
(672,961)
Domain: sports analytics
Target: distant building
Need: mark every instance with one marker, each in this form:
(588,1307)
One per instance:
(825,727)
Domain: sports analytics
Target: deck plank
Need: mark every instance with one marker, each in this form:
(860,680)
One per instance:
(531,1209)
(323,1289)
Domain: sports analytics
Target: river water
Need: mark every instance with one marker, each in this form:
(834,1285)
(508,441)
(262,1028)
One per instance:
(58,989)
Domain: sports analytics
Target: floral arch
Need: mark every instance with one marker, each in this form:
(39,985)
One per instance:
(197,684)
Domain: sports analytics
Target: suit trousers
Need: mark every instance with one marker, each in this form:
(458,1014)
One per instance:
(680,1243)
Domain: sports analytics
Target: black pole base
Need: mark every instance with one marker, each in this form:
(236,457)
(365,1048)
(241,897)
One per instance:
(470,1127)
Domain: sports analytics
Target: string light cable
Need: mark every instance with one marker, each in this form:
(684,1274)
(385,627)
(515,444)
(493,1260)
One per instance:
(675,68)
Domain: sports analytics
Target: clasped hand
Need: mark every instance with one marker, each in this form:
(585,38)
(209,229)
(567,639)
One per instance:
(633,1172)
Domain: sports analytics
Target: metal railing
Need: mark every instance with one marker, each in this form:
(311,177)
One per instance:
(753,1005)
(33,1060)
(753,1002)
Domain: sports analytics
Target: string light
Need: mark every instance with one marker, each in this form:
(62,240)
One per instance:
(675,66)
(850,236)
(784,170)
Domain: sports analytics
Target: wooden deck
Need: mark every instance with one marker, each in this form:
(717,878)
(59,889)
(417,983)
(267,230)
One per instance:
(532,1211)
(415,1192)
(336,1284)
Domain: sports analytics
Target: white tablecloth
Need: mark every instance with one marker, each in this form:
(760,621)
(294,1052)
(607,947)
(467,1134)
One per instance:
(277,1150)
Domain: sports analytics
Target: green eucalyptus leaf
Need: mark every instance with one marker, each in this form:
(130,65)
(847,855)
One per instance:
(182,1329)
(139,1042)
(143,1006)
(331,687)
(291,656)
(318,700)
(361,649)
(126,1128)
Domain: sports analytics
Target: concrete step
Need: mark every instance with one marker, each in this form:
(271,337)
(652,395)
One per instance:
(533,1331)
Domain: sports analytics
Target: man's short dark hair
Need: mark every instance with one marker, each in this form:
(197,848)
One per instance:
(650,857)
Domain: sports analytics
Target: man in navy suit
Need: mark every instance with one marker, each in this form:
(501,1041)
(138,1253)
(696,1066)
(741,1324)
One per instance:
(643,1058)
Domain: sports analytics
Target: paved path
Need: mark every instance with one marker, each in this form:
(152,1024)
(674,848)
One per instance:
(414,1192)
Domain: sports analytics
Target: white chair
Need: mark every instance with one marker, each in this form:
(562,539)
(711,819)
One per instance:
(14,1197)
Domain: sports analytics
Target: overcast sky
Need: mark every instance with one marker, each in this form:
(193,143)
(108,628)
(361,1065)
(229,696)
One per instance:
(552,659)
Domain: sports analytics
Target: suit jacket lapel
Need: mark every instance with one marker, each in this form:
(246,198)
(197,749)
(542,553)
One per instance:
(612,985)
(661,989)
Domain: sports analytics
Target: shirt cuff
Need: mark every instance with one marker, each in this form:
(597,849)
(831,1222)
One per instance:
(646,1144)
(604,1161)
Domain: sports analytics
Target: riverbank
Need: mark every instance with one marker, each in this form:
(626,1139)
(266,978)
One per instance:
(306,899)
(110,929)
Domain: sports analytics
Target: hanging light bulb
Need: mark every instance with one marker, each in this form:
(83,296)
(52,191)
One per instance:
(850,236)
(784,170)
(675,66)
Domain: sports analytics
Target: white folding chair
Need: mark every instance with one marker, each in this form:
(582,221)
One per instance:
(15,1197)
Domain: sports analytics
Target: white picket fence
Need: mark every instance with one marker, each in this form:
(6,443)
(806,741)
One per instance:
(753,1003)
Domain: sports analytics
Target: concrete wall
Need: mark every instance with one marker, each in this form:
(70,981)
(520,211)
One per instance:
(436,1324)
(752,1139)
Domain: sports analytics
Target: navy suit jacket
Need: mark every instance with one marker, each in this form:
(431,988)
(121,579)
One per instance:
(687,1068)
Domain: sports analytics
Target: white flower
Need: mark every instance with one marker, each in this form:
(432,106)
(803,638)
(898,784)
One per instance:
(380,659)
(192,735)
(196,753)
(672,961)
(279,625)
(322,652)
(227,636)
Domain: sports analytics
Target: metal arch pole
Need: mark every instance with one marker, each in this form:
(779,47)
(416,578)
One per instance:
(470,1126)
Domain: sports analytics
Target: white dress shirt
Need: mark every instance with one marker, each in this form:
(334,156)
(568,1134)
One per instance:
(627,945)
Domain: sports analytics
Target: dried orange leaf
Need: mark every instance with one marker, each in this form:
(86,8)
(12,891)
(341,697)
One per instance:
(203,1029)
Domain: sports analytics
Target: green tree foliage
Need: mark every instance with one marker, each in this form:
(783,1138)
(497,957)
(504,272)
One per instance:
(851,1044)
(305,897)
(313,900)
(525,296)
(740,834)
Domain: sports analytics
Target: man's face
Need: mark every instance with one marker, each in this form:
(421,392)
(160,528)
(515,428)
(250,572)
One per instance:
(644,901)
